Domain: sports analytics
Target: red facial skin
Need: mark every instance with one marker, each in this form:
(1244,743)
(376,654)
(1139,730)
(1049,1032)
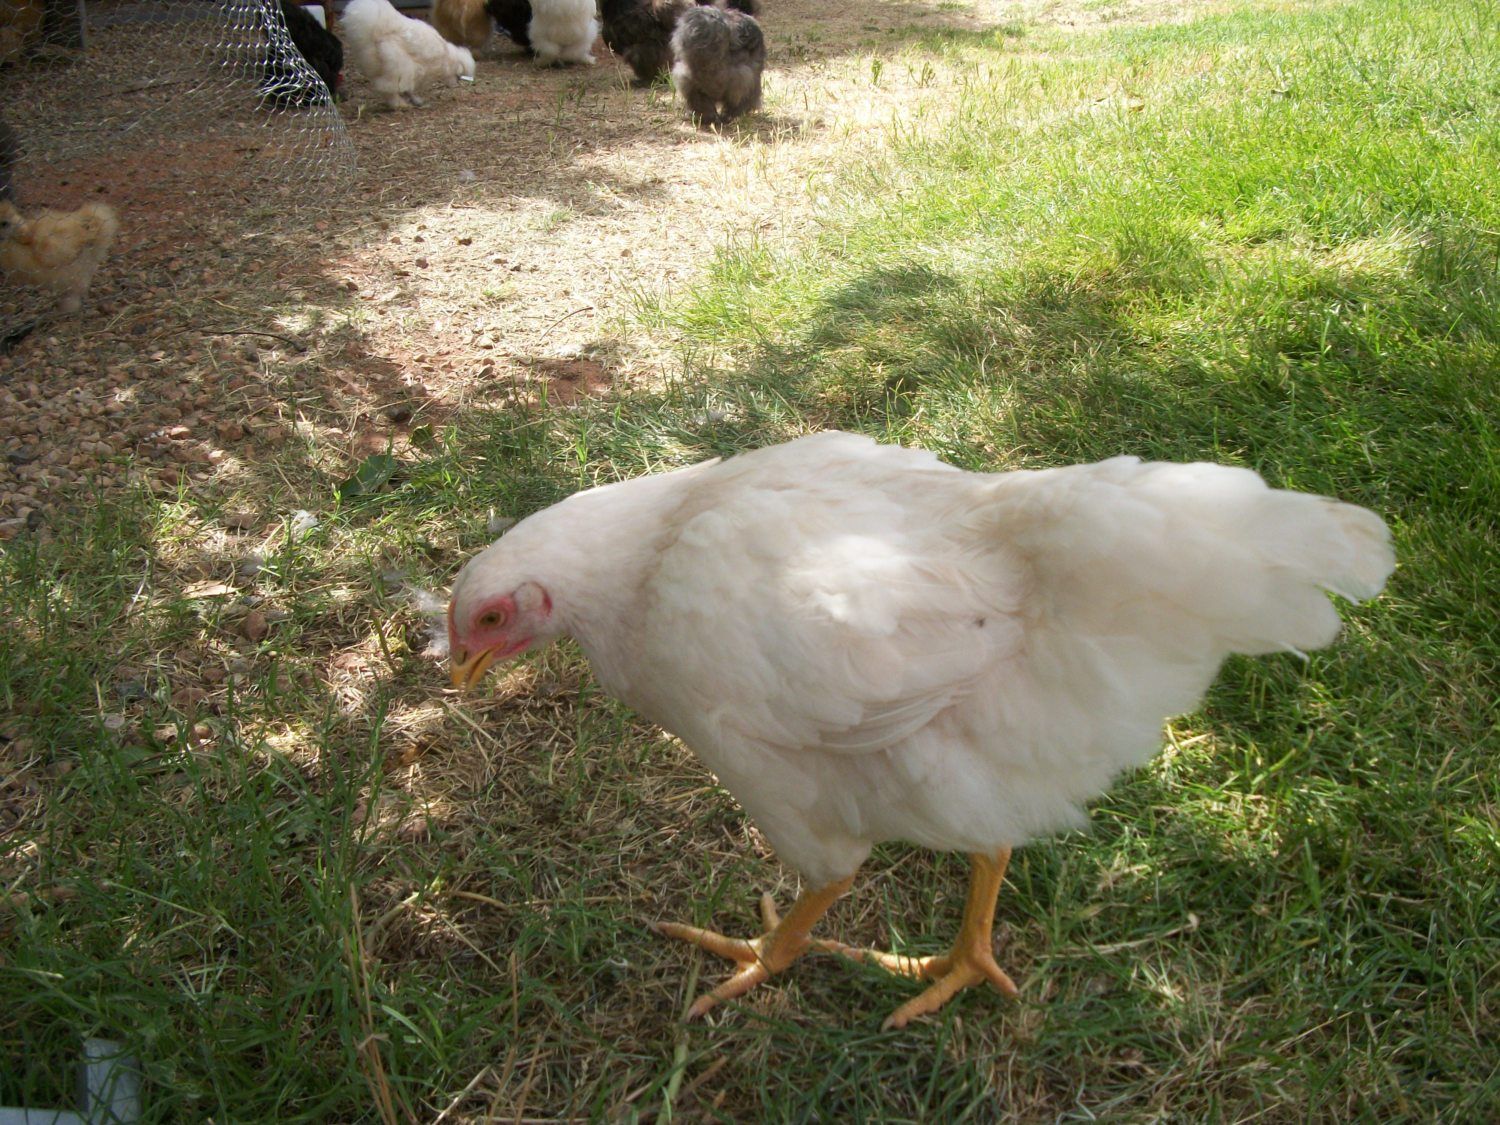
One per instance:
(490,635)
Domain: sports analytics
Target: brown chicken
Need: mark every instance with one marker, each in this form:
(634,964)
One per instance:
(465,23)
(57,250)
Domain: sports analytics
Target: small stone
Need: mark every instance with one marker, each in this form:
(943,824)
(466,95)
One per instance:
(114,722)
(240,521)
(254,626)
(187,696)
(398,412)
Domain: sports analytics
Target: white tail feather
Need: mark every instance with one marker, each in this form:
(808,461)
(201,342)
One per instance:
(1153,573)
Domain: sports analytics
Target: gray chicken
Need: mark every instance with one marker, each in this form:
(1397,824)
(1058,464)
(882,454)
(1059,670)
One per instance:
(718,58)
(640,31)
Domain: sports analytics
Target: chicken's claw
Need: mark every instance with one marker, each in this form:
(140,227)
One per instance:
(970,961)
(950,973)
(757,958)
(953,973)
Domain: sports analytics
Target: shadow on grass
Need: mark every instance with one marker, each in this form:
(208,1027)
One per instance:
(246,886)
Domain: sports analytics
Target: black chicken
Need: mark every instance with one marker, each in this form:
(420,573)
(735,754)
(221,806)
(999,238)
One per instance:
(512,17)
(282,83)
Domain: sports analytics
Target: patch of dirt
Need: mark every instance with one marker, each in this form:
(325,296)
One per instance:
(488,243)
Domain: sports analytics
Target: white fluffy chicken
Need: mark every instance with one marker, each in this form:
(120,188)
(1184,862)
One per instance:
(398,53)
(866,644)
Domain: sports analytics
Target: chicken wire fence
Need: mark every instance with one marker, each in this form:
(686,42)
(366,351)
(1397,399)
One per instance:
(157,92)
(80,81)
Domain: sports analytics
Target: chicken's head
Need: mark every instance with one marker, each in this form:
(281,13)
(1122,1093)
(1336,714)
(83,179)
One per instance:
(489,622)
(538,581)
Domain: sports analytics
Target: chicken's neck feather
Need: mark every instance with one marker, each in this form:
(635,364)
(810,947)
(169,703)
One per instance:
(594,553)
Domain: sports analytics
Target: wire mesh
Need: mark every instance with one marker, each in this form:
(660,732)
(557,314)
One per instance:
(172,89)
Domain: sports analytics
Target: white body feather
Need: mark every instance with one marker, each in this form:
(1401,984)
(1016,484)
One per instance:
(866,644)
(398,54)
(563,31)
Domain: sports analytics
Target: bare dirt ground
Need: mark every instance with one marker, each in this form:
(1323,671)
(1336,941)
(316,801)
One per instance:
(488,243)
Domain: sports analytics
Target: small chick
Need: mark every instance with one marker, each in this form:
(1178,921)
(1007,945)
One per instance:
(57,250)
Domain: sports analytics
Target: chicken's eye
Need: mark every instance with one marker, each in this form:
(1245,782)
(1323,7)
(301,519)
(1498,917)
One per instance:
(491,619)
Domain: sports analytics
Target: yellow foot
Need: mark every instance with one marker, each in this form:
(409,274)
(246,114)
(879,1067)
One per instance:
(783,942)
(950,973)
(757,957)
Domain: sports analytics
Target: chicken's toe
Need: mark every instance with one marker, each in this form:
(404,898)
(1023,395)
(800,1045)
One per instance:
(964,971)
(902,964)
(786,939)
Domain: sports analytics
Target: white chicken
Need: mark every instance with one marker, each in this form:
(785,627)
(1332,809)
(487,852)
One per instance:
(866,644)
(398,53)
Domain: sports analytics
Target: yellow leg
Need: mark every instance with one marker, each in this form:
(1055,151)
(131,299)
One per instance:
(970,961)
(784,941)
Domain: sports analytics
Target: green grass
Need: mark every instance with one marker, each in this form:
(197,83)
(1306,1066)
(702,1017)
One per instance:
(1268,237)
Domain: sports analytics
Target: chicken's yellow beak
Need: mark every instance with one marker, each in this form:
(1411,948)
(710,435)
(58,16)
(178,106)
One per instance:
(465,671)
